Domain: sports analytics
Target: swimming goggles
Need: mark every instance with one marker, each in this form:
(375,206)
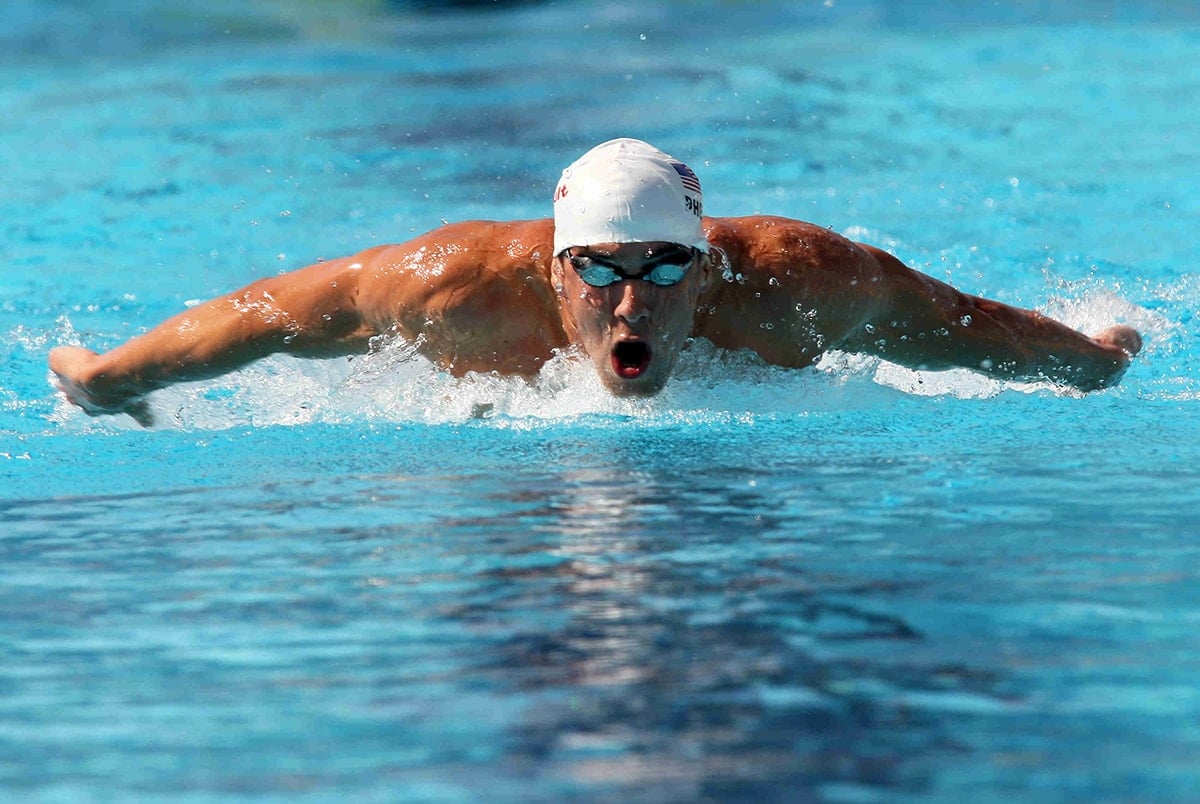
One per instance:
(669,271)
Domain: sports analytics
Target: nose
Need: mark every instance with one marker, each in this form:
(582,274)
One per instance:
(632,307)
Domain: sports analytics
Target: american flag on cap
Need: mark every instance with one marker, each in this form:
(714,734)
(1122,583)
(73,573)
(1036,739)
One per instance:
(690,182)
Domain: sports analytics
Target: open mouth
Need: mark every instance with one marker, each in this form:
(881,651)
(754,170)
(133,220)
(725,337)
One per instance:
(630,359)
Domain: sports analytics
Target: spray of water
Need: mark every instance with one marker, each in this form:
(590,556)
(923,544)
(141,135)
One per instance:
(393,383)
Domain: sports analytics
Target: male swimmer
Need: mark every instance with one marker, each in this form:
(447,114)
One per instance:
(627,271)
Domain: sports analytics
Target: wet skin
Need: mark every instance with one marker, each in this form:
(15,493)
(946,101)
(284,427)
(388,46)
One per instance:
(486,296)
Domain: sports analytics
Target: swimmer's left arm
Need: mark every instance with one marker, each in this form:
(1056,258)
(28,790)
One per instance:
(923,323)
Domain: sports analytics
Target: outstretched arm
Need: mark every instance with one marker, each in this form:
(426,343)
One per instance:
(923,323)
(313,311)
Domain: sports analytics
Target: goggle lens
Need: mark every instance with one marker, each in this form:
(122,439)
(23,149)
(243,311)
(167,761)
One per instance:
(599,275)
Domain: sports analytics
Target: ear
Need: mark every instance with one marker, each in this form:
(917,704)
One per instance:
(556,275)
(708,268)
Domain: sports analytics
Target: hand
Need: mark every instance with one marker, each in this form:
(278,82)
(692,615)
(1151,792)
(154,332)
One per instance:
(1121,343)
(1122,337)
(73,369)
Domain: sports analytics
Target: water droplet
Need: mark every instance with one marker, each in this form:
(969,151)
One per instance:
(773,282)
(870,328)
(965,320)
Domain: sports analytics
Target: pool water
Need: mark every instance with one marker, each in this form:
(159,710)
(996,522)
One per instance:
(365,580)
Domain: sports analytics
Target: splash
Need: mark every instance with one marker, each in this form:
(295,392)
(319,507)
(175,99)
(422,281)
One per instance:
(395,384)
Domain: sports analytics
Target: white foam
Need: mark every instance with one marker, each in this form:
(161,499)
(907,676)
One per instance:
(395,384)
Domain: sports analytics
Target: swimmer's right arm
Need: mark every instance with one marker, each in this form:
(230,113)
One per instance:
(313,311)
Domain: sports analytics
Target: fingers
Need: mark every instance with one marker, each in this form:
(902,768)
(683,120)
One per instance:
(140,411)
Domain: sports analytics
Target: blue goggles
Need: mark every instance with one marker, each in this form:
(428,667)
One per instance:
(667,270)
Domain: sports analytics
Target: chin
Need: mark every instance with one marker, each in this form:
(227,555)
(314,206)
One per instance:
(647,382)
(642,386)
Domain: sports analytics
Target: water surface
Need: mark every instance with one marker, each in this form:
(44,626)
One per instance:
(331,580)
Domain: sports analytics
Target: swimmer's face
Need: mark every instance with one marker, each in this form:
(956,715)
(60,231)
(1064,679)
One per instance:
(630,306)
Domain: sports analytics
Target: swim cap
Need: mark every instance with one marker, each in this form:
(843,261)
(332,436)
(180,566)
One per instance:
(627,191)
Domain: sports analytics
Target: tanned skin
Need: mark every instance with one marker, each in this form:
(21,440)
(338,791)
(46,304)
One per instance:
(490,296)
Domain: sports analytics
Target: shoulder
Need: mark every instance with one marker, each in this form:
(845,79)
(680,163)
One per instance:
(776,250)
(456,253)
(460,270)
(468,241)
(754,240)
(774,268)
(514,237)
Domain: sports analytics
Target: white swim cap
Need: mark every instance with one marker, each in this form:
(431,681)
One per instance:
(627,191)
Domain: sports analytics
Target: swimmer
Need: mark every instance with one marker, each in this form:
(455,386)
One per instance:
(626,272)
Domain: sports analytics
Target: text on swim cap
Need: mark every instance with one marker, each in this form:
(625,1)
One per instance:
(561,192)
(694,206)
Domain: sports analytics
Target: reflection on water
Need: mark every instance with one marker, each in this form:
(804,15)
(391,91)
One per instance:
(679,647)
(606,612)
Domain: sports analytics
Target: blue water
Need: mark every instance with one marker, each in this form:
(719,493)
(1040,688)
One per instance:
(330,581)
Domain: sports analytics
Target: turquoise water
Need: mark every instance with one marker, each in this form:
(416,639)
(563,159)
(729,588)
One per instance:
(334,581)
